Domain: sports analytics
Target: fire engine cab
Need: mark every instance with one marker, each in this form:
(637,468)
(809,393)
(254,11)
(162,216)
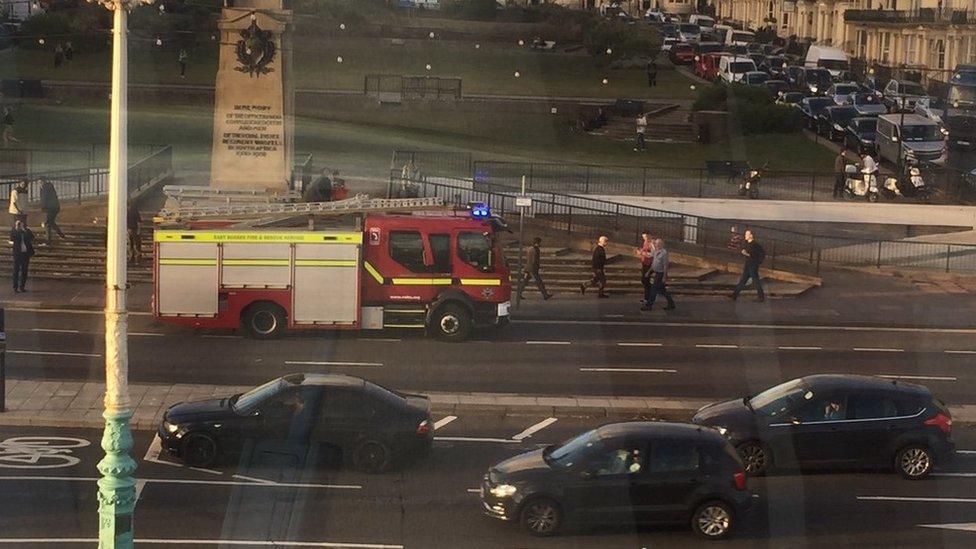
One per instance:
(440,271)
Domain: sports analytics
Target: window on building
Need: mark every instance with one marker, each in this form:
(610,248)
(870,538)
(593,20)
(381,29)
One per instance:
(911,49)
(971,50)
(940,53)
(885,47)
(862,44)
(786,20)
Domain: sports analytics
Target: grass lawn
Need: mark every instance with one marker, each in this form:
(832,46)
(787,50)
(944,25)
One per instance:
(361,148)
(489,69)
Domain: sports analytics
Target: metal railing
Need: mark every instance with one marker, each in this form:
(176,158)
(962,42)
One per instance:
(581,216)
(76,185)
(944,16)
(25,161)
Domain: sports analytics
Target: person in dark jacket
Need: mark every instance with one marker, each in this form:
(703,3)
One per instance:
(660,265)
(22,241)
(132,221)
(598,263)
(532,270)
(754,255)
(51,206)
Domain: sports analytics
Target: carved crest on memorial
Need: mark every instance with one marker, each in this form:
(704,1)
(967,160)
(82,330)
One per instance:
(255,50)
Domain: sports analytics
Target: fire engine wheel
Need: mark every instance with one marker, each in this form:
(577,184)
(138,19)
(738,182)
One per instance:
(264,320)
(451,323)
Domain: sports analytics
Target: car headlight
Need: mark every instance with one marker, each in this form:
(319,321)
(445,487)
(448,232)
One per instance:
(838,127)
(503,491)
(813,89)
(721,430)
(945,132)
(170,427)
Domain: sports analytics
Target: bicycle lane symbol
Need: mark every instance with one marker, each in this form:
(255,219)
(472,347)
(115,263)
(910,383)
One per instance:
(40,452)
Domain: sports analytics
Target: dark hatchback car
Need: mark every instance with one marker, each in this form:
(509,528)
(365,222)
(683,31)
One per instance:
(832,121)
(639,472)
(776,87)
(860,134)
(371,426)
(812,107)
(837,421)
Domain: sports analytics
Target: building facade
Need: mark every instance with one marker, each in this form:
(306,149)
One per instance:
(934,34)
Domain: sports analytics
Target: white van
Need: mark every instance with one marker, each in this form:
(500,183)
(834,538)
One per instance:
(733,69)
(899,134)
(832,59)
(706,23)
(739,38)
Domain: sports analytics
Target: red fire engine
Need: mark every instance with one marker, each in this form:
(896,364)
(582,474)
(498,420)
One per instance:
(439,271)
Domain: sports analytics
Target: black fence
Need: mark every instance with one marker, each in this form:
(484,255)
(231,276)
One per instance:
(581,216)
(434,163)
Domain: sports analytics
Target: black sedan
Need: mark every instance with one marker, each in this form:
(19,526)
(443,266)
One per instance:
(832,121)
(835,421)
(370,426)
(793,99)
(776,87)
(859,135)
(645,472)
(812,107)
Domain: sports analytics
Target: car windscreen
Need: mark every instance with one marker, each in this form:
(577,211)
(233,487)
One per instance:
(574,451)
(866,99)
(793,97)
(845,90)
(820,77)
(690,28)
(869,125)
(705,21)
(833,64)
(818,104)
(255,396)
(910,88)
(709,48)
(741,66)
(926,132)
(757,78)
(781,399)
(843,115)
(742,37)
(962,95)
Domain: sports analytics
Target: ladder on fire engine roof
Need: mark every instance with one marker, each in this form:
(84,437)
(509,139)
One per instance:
(268,211)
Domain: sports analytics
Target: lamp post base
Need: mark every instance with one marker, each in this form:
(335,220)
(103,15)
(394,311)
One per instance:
(117,487)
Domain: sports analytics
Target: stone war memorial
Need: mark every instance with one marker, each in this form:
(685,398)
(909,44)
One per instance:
(253,138)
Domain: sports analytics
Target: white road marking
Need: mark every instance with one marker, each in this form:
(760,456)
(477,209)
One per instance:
(329,363)
(958,352)
(798,348)
(918,499)
(443,421)
(956,475)
(252,479)
(474,490)
(140,484)
(475,439)
(265,484)
(613,316)
(715,346)
(963,526)
(725,326)
(220,542)
(929,378)
(222,336)
(548,342)
(155,447)
(202,470)
(639,344)
(634,370)
(387,339)
(55,330)
(878,350)
(51,353)
(534,429)
(146,334)
(966,451)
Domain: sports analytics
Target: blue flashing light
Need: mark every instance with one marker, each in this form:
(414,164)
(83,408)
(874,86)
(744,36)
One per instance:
(480,211)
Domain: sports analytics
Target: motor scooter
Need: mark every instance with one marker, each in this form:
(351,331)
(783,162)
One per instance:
(860,185)
(749,186)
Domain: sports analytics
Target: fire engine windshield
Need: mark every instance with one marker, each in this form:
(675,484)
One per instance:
(476,249)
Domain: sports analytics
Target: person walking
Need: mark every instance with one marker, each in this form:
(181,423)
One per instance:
(532,270)
(598,263)
(132,222)
(18,202)
(51,206)
(69,51)
(651,73)
(58,55)
(646,255)
(181,57)
(641,142)
(8,128)
(659,267)
(840,167)
(754,255)
(22,242)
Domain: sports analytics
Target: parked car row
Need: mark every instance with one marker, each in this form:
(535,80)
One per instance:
(694,473)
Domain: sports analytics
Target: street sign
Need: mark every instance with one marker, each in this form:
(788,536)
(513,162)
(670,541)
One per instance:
(523,201)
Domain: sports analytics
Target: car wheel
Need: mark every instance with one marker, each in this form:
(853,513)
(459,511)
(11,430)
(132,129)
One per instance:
(914,462)
(451,323)
(712,520)
(755,457)
(199,450)
(541,517)
(371,456)
(264,320)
